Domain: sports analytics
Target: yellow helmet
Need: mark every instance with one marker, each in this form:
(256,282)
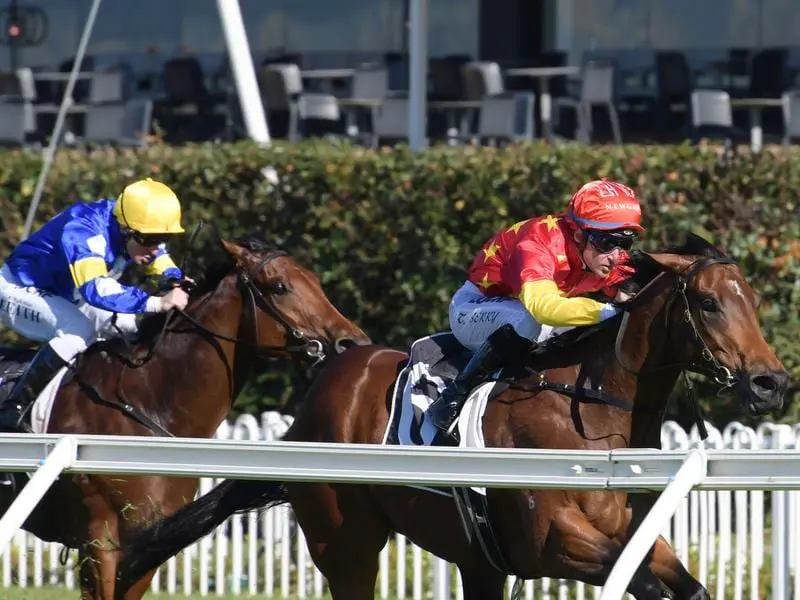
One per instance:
(148,206)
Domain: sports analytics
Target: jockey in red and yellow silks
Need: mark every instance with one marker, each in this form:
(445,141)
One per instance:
(534,276)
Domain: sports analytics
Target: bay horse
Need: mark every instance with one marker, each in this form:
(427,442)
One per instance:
(693,311)
(180,378)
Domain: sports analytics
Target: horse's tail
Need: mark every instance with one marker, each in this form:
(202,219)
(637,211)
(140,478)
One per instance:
(154,545)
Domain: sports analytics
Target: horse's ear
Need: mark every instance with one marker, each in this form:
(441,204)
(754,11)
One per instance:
(235,251)
(670,262)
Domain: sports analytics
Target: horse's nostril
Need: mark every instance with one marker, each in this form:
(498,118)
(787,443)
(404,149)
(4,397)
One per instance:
(343,344)
(766,383)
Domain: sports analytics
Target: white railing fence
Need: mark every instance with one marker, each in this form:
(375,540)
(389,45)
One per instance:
(726,536)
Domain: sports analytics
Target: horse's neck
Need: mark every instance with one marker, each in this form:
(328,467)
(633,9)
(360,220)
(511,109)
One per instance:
(644,347)
(208,368)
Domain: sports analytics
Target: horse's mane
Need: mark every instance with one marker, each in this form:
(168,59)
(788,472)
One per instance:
(646,269)
(219,267)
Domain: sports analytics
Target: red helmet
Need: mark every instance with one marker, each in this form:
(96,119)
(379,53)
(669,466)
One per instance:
(605,206)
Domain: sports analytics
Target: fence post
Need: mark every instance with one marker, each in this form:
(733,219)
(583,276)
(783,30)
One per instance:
(692,472)
(63,455)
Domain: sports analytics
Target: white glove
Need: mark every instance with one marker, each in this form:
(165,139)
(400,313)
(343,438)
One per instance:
(607,311)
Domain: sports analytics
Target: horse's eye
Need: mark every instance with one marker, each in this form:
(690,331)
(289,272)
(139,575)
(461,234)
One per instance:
(277,288)
(709,304)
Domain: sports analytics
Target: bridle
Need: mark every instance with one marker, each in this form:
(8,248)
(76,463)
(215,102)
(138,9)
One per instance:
(253,297)
(709,365)
(721,374)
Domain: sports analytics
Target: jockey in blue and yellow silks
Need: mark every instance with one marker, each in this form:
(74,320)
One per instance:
(60,286)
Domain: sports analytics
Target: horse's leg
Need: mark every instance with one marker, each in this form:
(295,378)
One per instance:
(344,533)
(139,589)
(483,585)
(99,557)
(88,576)
(666,565)
(577,550)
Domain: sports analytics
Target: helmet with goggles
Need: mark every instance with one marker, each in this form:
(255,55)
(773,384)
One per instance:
(150,211)
(608,213)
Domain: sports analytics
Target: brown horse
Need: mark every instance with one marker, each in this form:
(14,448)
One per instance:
(181,379)
(694,311)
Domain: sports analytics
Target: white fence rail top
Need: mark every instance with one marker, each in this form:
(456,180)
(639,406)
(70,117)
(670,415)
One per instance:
(366,463)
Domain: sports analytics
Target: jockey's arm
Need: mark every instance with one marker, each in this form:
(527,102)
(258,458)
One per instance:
(85,248)
(540,295)
(549,306)
(163,264)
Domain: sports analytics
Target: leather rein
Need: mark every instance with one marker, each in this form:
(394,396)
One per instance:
(298,342)
(721,374)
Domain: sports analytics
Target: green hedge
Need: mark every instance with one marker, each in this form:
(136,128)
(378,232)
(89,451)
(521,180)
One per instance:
(391,233)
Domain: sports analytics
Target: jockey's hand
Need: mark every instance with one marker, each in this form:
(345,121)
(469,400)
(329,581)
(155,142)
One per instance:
(175,298)
(622,296)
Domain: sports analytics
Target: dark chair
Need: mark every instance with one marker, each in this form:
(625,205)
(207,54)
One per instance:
(188,112)
(674,87)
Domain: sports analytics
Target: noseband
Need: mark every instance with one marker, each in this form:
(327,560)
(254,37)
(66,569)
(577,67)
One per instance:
(252,296)
(710,366)
(311,347)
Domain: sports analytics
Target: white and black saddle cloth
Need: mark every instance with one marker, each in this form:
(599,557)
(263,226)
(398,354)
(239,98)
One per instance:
(434,361)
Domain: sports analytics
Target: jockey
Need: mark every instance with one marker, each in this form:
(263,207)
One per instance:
(60,286)
(532,276)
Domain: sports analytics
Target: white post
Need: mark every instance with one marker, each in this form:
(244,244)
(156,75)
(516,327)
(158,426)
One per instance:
(63,455)
(66,101)
(243,70)
(692,472)
(418,76)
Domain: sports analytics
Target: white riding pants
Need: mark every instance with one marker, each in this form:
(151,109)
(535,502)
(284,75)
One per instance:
(70,327)
(474,317)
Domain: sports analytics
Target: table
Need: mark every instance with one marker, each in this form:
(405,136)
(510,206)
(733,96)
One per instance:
(756,105)
(544,74)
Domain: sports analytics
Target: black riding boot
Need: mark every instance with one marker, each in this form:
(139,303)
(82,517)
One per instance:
(444,410)
(42,369)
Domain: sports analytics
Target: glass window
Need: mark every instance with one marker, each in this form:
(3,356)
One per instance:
(780,23)
(684,24)
(453,27)
(609,24)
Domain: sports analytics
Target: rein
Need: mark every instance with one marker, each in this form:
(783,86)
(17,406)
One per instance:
(710,365)
(252,298)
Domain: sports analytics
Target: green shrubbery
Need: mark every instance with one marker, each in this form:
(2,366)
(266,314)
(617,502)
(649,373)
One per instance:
(391,233)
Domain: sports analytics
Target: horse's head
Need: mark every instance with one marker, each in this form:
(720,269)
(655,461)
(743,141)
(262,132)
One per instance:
(713,326)
(289,310)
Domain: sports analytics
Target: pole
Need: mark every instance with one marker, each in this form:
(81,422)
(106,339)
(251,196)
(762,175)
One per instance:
(244,73)
(418,85)
(66,102)
(62,456)
(692,472)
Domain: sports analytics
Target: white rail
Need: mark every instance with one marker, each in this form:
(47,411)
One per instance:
(633,470)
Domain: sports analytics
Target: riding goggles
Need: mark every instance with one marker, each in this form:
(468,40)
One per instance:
(149,240)
(608,241)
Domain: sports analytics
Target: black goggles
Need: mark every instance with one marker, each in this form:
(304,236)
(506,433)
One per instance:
(606,242)
(149,240)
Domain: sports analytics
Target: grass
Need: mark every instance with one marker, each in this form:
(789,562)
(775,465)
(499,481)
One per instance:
(61,593)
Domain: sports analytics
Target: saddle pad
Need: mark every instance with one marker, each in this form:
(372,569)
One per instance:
(433,362)
(40,412)
(13,363)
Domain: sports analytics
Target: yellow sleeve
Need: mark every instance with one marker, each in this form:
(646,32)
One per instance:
(159,265)
(549,306)
(86,269)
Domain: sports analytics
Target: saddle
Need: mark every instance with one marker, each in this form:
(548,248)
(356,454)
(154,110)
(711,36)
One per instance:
(436,360)
(13,362)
